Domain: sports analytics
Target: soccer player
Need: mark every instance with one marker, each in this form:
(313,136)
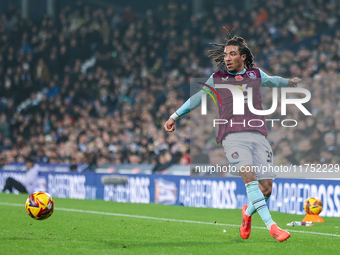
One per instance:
(30,182)
(245,146)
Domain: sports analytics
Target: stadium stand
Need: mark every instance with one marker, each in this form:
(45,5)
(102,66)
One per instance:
(96,85)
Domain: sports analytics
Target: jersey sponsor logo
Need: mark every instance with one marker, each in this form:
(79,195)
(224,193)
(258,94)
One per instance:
(234,155)
(251,75)
(238,78)
(225,79)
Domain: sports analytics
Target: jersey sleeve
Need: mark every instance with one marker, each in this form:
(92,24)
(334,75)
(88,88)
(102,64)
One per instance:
(272,81)
(194,101)
(31,176)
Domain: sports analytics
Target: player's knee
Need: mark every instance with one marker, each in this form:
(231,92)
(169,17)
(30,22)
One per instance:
(267,192)
(247,175)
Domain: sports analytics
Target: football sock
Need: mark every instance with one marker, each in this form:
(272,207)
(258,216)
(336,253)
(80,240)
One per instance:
(257,199)
(251,209)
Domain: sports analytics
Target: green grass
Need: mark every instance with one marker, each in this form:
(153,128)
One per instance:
(71,232)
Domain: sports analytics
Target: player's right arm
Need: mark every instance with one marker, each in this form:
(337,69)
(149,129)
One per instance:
(192,103)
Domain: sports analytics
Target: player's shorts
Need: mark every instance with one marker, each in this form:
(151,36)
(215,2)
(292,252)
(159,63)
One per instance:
(249,148)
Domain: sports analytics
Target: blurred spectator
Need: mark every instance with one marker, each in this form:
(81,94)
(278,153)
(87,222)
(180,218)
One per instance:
(165,160)
(197,156)
(330,145)
(128,16)
(4,127)
(41,157)
(73,168)
(52,90)
(41,72)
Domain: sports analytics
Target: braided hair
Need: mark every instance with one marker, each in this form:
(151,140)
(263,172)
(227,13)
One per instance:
(218,54)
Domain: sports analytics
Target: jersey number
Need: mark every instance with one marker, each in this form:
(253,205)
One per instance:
(270,155)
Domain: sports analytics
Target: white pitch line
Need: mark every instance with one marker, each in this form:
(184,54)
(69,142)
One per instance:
(174,220)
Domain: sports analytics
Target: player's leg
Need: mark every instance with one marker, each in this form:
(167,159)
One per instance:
(239,153)
(19,186)
(245,227)
(266,189)
(12,183)
(249,210)
(265,186)
(255,195)
(239,149)
(263,156)
(263,162)
(8,185)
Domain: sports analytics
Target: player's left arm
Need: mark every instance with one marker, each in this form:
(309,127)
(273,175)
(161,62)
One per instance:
(277,81)
(192,103)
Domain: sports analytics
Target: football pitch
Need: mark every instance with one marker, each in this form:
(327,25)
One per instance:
(99,227)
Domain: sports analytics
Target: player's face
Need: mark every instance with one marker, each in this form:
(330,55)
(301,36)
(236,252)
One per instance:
(233,60)
(29,165)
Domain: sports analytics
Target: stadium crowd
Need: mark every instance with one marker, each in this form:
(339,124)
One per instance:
(96,86)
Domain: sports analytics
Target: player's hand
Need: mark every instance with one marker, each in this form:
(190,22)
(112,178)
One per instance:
(293,82)
(170,125)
